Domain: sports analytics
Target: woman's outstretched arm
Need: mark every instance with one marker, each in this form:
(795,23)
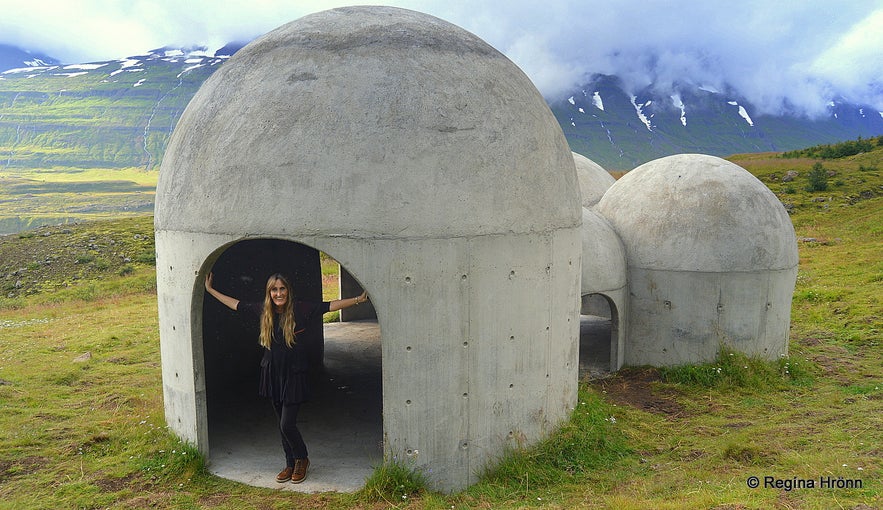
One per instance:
(339,304)
(229,302)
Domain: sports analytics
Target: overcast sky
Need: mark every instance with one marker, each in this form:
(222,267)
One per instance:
(800,51)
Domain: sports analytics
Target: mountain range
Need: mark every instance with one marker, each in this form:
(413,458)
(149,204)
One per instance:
(621,130)
(120,114)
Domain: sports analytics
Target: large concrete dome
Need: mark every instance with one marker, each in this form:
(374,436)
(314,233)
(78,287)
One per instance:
(693,212)
(380,122)
(431,168)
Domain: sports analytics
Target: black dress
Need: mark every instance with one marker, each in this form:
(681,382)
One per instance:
(285,370)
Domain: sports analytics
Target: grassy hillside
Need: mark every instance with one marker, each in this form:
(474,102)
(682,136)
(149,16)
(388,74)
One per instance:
(115,115)
(81,394)
(85,142)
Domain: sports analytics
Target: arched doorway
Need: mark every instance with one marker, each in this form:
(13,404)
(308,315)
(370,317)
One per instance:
(598,336)
(341,424)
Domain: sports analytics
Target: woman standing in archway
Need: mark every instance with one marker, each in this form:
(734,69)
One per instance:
(285,365)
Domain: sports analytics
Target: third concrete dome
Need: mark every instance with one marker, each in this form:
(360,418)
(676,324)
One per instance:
(381,122)
(693,212)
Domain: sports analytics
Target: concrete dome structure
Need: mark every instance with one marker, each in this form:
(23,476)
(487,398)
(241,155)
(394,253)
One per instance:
(431,168)
(594,181)
(712,259)
(604,272)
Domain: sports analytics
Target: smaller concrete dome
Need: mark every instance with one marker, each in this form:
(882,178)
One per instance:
(594,181)
(693,212)
(603,258)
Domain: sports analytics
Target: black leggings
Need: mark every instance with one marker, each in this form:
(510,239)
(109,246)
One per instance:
(292,441)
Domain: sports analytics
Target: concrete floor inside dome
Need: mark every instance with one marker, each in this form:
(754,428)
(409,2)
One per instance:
(342,424)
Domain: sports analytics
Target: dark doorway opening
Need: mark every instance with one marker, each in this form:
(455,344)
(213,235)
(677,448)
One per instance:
(597,336)
(341,423)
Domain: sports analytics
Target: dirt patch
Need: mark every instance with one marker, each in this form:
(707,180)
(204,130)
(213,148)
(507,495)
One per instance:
(837,363)
(22,467)
(636,387)
(111,484)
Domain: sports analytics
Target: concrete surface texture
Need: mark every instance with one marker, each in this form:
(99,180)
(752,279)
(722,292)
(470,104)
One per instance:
(593,180)
(430,167)
(712,259)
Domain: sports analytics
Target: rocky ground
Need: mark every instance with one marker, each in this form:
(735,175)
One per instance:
(48,258)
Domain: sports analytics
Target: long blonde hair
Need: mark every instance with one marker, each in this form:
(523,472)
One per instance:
(268,313)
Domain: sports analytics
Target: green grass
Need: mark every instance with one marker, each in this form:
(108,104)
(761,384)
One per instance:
(734,370)
(87,431)
(394,483)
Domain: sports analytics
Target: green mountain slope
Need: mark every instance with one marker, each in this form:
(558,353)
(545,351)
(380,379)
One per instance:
(116,114)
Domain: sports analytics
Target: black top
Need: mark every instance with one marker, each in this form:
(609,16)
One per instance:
(284,369)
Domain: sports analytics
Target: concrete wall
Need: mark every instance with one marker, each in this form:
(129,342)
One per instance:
(466,372)
(684,317)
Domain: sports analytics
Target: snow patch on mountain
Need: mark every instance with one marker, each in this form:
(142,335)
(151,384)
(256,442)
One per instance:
(742,112)
(596,100)
(639,108)
(20,70)
(86,67)
(679,104)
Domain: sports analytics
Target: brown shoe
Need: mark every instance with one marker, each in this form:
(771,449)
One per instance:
(300,470)
(285,474)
